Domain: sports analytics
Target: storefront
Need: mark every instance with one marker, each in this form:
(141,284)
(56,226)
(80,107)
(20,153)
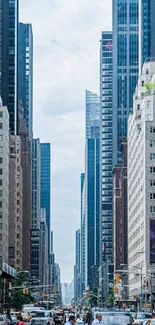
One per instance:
(7,274)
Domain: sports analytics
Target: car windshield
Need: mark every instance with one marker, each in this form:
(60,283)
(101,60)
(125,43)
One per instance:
(115,319)
(40,314)
(143,316)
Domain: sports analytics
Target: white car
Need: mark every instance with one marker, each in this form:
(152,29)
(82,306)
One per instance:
(141,318)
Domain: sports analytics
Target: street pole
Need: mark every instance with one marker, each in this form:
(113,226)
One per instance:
(141,288)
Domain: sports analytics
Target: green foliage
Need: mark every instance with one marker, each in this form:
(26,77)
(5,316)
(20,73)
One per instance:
(149,87)
(110,300)
(17,297)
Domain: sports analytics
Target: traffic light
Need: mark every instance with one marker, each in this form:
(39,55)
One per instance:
(117,278)
(25,291)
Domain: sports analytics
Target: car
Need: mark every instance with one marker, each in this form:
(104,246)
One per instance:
(140,318)
(42,318)
(3,320)
(116,318)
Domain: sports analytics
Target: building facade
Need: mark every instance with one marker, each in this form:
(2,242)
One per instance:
(26,168)
(106,72)
(146,31)
(82,230)
(45,198)
(141,180)
(9,46)
(4,184)
(25,73)
(15,204)
(92,186)
(77,274)
(125,67)
(35,218)
(43,255)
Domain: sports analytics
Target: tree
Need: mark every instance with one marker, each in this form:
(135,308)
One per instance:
(18,299)
(149,87)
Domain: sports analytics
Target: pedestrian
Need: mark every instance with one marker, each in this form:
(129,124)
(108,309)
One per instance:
(71,320)
(20,320)
(98,320)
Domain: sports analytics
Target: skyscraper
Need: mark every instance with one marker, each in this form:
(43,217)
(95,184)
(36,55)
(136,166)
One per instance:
(77,275)
(125,67)
(141,183)
(35,220)
(82,229)
(4,185)
(92,183)
(43,256)
(106,147)
(25,73)
(146,31)
(8,66)
(45,198)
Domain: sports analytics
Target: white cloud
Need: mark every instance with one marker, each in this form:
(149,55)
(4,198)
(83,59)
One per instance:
(66,61)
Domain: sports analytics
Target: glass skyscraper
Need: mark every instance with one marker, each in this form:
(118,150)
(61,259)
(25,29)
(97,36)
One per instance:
(106,96)
(92,183)
(25,73)
(8,59)
(83,217)
(146,30)
(125,67)
(46,183)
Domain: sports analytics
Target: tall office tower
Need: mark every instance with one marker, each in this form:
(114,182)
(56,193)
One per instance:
(106,185)
(45,198)
(35,221)
(58,284)
(43,256)
(26,165)
(8,60)
(4,184)
(15,203)
(83,219)
(121,216)
(92,184)
(146,31)
(141,180)
(125,67)
(77,275)
(25,73)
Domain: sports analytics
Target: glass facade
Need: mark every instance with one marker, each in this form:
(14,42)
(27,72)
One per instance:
(125,67)
(8,58)
(25,73)
(146,30)
(46,183)
(92,186)
(106,72)
(92,252)
(82,253)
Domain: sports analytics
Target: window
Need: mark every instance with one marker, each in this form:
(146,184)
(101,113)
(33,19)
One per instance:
(1,126)
(1,137)
(0,248)
(0,204)
(152,196)
(152,129)
(1,171)
(1,114)
(152,182)
(152,169)
(0,236)
(1,182)
(152,156)
(152,209)
(152,143)
(0,226)
(1,149)
(1,160)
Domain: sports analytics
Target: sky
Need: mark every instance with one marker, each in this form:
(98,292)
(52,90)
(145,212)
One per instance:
(66,62)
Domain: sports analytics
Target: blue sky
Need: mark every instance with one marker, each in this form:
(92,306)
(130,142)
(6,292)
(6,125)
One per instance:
(66,62)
